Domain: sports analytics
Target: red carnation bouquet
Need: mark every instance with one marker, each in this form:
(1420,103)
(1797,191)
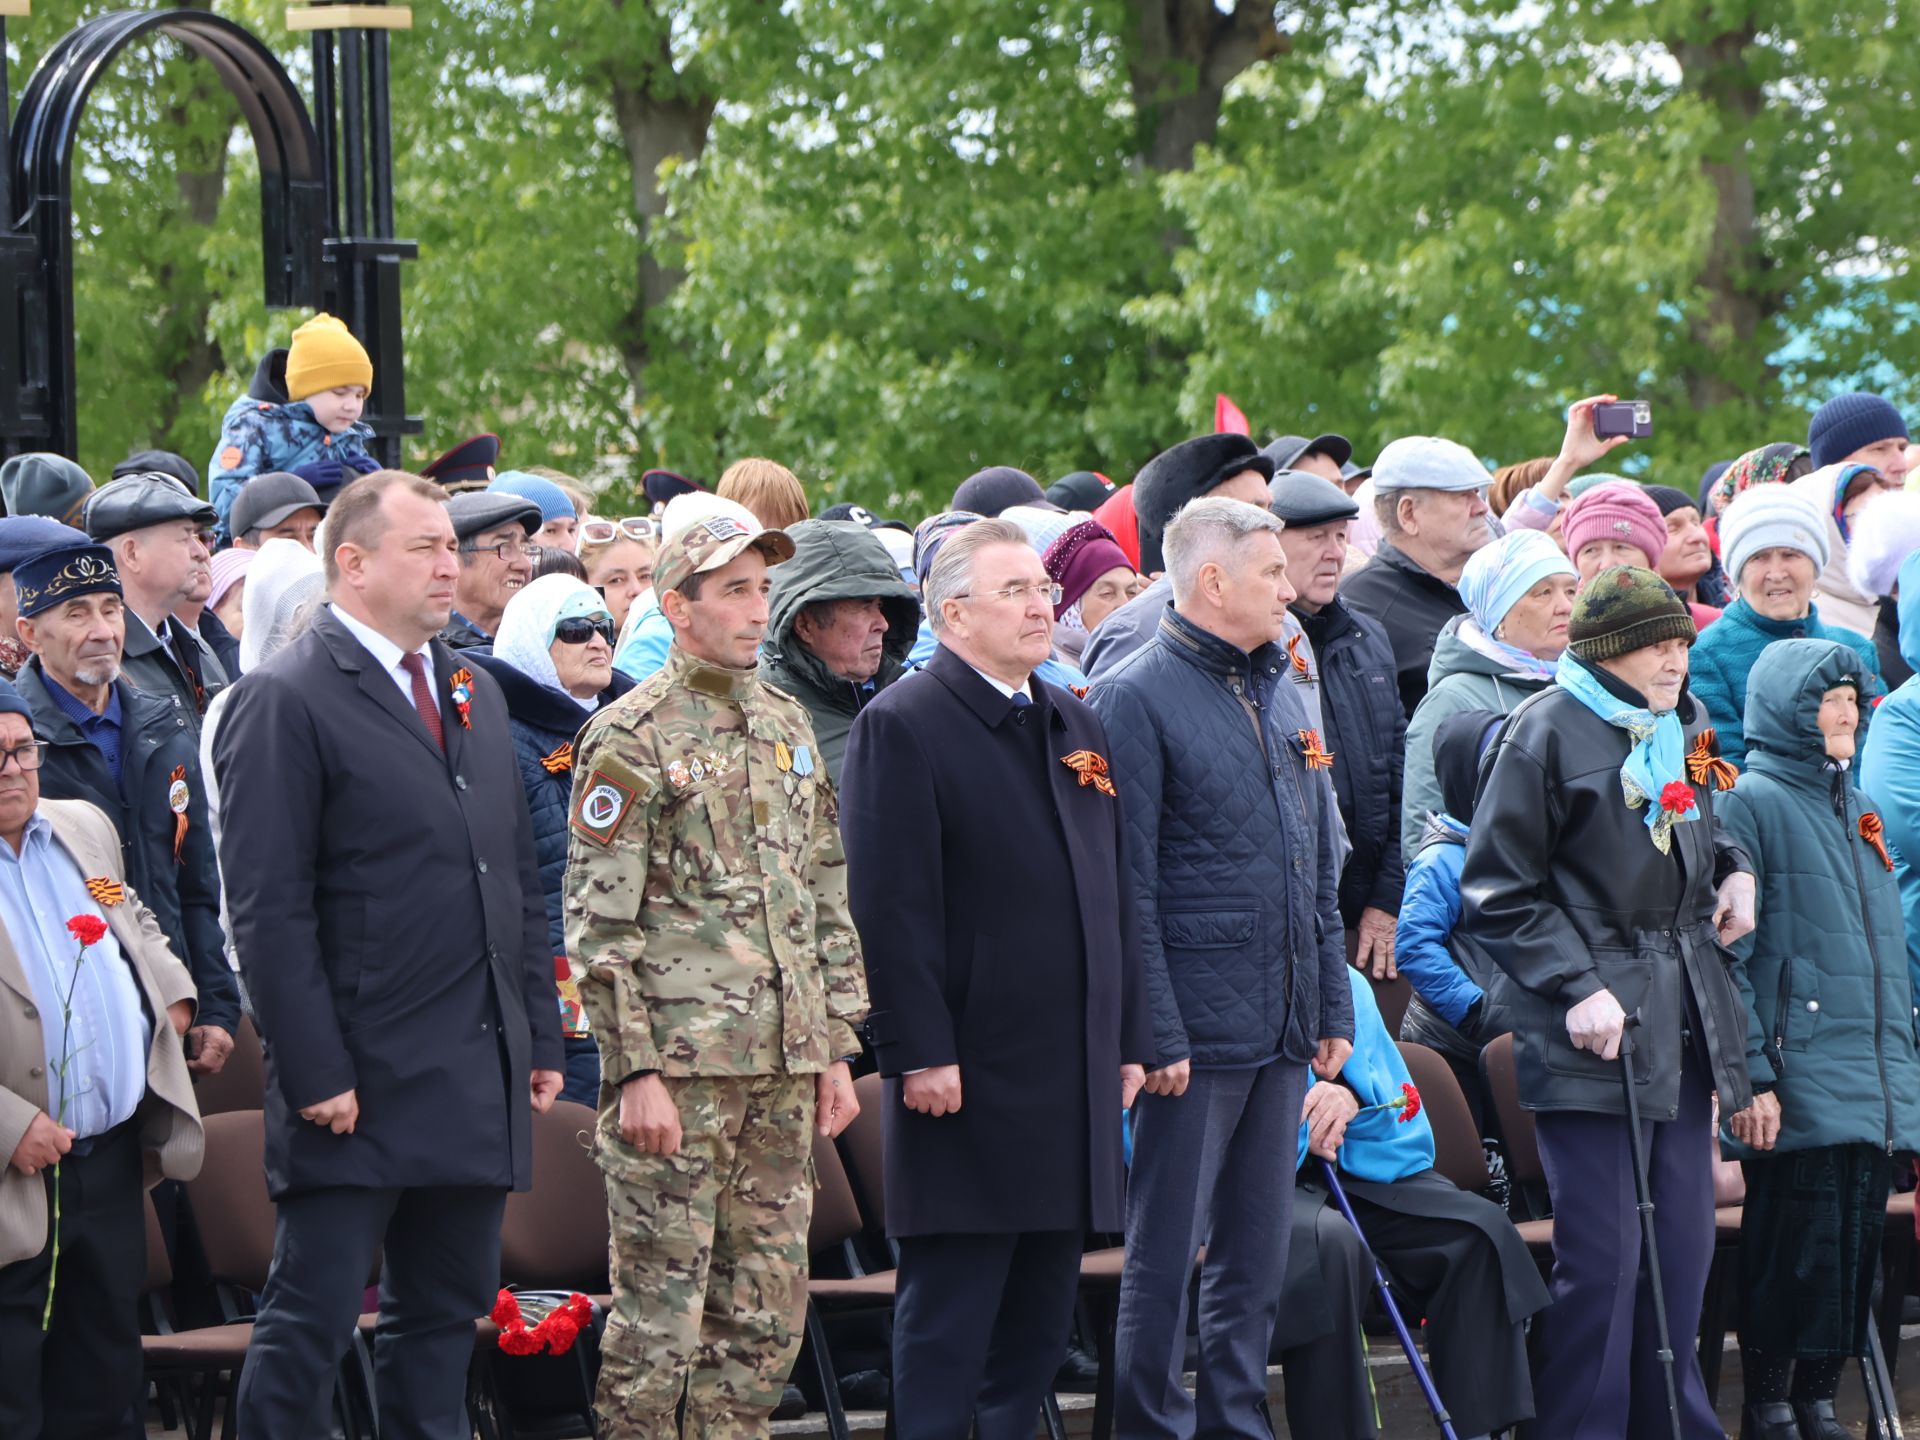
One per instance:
(555,1333)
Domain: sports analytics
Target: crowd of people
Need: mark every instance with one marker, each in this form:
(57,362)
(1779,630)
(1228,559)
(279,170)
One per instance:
(1098,820)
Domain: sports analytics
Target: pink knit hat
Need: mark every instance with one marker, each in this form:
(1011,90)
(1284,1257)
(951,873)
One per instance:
(1080,556)
(229,567)
(1616,510)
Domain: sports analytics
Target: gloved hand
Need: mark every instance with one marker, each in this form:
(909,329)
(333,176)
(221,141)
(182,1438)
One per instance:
(326,474)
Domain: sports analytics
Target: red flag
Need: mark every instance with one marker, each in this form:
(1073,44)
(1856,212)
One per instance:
(1228,418)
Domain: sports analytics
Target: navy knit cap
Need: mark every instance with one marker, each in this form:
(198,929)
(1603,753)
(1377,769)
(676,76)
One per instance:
(11,703)
(25,535)
(1848,423)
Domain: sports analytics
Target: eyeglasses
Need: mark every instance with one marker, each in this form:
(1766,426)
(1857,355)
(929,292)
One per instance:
(27,756)
(1052,594)
(578,630)
(601,532)
(503,550)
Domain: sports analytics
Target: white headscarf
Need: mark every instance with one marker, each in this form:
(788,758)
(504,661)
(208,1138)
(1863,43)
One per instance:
(527,624)
(282,583)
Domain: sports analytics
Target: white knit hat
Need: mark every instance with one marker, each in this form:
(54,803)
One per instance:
(1765,517)
(1886,530)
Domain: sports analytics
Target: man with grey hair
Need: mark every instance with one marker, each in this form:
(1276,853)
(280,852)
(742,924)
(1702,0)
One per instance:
(1234,890)
(981,814)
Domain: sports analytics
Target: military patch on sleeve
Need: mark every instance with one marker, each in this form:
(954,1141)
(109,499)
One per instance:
(601,807)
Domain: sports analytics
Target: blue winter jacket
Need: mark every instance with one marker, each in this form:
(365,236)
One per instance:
(264,430)
(1724,655)
(1429,910)
(1378,1144)
(1826,974)
(1232,847)
(649,637)
(1890,765)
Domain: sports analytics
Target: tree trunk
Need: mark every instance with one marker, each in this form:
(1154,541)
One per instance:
(1735,299)
(1185,54)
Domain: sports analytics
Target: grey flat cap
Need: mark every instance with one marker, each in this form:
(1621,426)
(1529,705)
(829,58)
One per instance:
(266,500)
(40,483)
(1304,500)
(474,512)
(1428,462)
(137,501)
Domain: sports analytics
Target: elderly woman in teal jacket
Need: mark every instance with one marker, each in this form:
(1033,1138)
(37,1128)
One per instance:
(1830,992)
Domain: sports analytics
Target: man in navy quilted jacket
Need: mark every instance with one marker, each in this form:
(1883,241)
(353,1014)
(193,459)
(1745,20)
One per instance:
(1235,888)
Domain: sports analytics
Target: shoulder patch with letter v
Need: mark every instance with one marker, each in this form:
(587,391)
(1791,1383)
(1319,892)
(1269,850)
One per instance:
(601,807)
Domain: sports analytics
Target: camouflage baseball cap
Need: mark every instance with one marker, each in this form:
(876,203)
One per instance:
(710,543)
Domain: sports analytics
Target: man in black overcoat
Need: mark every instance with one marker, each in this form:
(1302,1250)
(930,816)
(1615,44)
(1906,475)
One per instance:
(390,928)
(1010,1017)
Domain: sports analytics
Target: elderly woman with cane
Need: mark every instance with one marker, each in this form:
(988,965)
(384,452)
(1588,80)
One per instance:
(1828,979)
(1598,876)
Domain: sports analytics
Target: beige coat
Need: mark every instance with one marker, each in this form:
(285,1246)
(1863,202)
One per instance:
(168,1117)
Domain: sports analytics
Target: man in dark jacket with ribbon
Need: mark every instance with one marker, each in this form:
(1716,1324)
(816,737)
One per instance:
(1598,876)
(984,841)
(390,927)
(840,622)
(1234,887)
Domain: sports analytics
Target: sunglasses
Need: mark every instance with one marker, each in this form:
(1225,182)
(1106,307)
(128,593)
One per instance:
(578,630)
(600,532)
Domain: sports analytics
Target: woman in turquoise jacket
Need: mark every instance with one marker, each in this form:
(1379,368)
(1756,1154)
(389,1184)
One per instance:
(1830,994)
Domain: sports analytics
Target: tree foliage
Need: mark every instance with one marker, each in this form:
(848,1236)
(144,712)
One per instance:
(890,242)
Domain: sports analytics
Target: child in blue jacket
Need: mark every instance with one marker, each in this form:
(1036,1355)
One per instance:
(1449,1008)
(301,414)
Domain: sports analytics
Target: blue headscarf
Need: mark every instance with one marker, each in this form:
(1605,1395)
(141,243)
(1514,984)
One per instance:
(1498,575)
(1658,757)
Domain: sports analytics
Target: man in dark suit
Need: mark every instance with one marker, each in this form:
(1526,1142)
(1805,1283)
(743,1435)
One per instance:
(390,927)
(983,839)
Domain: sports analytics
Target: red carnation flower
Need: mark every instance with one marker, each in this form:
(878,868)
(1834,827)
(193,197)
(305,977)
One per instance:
(87,929)
(1677,797)
(1410,1105)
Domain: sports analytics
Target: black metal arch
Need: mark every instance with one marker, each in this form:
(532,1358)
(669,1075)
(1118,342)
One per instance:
(307,263)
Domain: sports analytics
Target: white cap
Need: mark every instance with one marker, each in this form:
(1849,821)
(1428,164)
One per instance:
(683,512)
(1427,462)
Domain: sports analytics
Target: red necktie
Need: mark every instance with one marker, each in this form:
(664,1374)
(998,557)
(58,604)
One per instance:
(423,701)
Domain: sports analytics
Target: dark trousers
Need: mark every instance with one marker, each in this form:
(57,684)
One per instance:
(1597,1375)
(441,1272)
(1446,1270)
(1212,1166)
(81,1378)
(980,1325)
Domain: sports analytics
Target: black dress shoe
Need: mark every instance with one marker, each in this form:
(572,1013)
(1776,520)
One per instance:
(1817,1421)
(1772,1421)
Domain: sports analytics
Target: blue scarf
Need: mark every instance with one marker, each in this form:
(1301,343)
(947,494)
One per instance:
(1659,754)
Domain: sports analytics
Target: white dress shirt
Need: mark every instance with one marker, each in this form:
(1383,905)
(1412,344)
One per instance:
(1025,687)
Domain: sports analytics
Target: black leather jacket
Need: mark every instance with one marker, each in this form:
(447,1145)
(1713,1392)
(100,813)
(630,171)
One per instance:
(1566,892)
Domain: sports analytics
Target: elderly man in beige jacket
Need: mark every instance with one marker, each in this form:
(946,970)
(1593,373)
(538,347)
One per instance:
(94,1099)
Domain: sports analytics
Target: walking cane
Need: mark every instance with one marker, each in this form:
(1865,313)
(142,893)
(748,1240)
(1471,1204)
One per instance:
(1393,1311)
(1644,1193)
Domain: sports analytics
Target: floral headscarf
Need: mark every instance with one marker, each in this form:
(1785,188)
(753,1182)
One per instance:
(1766,466)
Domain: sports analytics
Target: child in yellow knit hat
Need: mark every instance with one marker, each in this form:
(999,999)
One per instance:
(301,414)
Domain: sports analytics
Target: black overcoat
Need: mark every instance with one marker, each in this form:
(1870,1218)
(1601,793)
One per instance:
(985,880)
(388,919)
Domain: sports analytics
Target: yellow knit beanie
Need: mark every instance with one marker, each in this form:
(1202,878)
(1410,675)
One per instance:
(325,355)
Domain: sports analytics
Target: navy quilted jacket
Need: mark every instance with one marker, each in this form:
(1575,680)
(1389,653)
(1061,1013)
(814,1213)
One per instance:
(1235,875)
(543,721)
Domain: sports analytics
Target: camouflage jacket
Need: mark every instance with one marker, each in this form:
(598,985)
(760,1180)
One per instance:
(706,890)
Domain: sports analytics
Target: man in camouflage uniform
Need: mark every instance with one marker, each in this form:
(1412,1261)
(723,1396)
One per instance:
(706,914)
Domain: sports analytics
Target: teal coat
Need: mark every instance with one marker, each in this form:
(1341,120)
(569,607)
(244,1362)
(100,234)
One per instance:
(1720,667)
(1828,985)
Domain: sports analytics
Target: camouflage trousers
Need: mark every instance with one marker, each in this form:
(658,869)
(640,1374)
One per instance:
(709,1262)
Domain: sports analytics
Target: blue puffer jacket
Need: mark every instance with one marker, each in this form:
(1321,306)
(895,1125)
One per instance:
(1231,843)
(1890,764)
(543,721)
(1825,975)
(1723,658)
(1428,912)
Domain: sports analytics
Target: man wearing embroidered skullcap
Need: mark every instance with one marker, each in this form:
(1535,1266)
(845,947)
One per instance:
(134,756)
(707,923)
(1233,885)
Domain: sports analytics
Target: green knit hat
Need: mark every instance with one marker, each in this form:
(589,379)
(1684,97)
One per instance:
(1626,608)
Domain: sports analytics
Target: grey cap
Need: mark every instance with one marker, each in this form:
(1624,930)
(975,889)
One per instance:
(1427,462)
(266,500)
(474,512)
(39,483)
(1302,499)
(1287,450)
(137,501)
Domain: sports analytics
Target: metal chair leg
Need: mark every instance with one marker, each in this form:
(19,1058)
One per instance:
(823,1369)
